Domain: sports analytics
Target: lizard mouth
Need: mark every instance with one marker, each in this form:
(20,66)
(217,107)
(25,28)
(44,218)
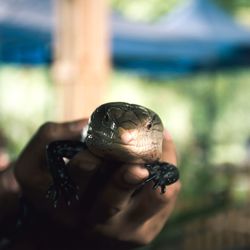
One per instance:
(120,136)
(124,141)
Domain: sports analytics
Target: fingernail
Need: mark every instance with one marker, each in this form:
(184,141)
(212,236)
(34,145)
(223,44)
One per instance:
(88,167)
(135,175)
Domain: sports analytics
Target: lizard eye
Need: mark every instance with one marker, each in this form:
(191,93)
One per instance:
(149,125)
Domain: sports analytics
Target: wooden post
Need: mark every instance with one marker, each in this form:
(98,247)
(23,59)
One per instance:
(81,65)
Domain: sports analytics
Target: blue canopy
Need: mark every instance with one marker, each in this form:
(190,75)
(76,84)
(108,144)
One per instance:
(26,31)
(195,35)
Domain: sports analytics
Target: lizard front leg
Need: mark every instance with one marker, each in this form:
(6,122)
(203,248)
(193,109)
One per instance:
(162,174)
(62,184)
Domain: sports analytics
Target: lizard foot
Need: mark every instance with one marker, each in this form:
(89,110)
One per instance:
(67,190)
(162,174)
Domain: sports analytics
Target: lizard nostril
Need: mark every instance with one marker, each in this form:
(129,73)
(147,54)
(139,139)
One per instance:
(106,118)
(127,136)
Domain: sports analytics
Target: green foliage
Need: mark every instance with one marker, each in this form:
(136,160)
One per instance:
(233,5)
(26,99)
(151,10)
(146,10)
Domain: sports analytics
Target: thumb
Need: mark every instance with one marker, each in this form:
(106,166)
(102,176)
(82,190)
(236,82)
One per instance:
(52,131)
(33,157)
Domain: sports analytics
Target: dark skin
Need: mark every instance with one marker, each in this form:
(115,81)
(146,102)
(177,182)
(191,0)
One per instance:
(118,217)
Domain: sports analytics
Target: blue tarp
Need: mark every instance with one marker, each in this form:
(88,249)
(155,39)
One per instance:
(195,35)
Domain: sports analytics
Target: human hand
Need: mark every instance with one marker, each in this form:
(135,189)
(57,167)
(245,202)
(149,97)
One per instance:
(119,216)
(126,217)
(31,168)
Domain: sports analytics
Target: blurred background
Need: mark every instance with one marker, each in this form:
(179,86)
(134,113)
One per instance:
(189,60)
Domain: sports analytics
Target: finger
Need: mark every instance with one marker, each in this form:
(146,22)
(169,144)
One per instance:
(152,201)
(82,168)
(48,132)
(168,149)
(52,131)
(148,229)
(116,195)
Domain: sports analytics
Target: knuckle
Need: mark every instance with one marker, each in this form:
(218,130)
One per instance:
(48,131)
(111,211)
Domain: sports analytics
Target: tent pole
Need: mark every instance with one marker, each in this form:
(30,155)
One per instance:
(82,64)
